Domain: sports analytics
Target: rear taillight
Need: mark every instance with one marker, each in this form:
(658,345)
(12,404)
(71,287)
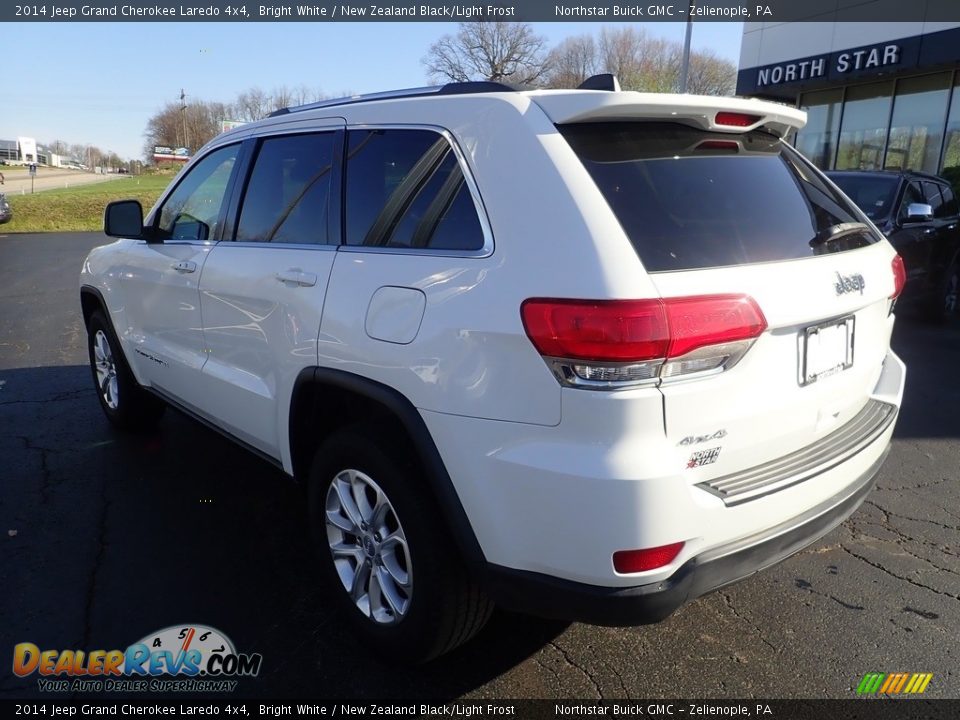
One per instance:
(735,119)
(613,343)
(899,276)
(633,561)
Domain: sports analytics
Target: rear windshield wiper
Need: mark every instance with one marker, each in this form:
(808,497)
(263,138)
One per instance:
(836,232)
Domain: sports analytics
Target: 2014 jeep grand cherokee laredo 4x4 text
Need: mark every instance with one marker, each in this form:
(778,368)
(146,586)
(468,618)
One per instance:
(583,353)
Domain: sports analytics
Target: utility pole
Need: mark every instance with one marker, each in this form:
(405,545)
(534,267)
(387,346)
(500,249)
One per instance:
(183,118)
(685,68)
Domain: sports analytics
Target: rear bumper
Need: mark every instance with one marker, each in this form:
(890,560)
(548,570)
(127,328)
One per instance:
(548,596)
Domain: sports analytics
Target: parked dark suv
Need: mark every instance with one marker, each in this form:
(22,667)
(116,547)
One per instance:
(920,216)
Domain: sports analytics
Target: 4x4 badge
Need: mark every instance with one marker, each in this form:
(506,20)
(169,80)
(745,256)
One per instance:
(849,283)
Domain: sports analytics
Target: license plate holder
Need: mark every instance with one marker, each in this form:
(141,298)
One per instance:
(826,349)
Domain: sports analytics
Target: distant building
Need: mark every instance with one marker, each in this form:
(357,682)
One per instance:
(878,95)
(25,150)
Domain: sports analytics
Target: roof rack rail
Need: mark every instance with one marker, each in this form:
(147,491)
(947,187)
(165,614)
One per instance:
(603,81)
(454,88)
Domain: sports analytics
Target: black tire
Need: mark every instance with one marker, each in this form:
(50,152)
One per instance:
(444,607)
(127,405)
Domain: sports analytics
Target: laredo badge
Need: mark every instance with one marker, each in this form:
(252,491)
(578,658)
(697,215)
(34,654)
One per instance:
(703,457)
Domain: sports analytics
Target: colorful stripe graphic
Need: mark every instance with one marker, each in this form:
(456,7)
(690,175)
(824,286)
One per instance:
(894,683)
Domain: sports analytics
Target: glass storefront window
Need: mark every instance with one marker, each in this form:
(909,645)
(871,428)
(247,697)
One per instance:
(916,130)
(951,150)
(863,133)
(818,138)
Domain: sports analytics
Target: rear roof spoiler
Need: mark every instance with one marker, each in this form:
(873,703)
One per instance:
(701,111)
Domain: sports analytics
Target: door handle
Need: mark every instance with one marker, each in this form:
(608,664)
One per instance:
(185,266)
(297,277)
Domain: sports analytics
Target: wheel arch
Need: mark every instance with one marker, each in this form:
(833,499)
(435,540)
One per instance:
(92,300)
(325,400)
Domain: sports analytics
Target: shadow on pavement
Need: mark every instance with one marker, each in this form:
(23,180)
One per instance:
(118,536)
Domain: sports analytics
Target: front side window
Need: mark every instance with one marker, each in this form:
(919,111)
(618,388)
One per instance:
(911,194)
(932,197)
(288,196)
(406,189)
(192,210)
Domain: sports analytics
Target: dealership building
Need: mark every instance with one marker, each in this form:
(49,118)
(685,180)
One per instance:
(877,94)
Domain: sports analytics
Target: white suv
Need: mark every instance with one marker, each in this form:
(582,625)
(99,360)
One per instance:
(583,353)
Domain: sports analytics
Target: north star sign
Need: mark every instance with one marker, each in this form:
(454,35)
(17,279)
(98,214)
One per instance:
(843,62)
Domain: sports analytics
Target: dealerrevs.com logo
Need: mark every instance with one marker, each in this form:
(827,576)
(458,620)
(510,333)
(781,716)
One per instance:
(180,658)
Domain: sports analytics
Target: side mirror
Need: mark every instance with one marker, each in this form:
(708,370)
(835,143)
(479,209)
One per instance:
(919,212)
(123,219)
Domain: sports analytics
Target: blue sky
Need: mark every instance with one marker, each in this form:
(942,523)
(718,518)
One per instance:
(99,83)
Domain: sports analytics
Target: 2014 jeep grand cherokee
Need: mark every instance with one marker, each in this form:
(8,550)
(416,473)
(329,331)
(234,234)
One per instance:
(588,353)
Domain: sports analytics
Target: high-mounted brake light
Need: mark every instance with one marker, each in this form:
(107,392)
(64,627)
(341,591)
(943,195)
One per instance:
(734,119)
(718,145)
(633,561)
(899,276)
(605,344)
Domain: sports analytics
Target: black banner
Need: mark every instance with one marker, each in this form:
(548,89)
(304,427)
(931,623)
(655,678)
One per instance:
(434,11)
(854,709)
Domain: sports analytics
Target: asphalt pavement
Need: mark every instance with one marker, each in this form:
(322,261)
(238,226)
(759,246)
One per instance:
(106,537)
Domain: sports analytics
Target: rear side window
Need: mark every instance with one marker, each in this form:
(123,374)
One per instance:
(691,199)
(874,194)
(287,199)
(949,208)
(405,189)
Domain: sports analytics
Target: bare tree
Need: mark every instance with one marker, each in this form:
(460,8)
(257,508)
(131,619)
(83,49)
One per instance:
(252,105)
(640,62)
(572,61)
(281,97)
(711,75)
(190,126)
(507,52)
(622,51)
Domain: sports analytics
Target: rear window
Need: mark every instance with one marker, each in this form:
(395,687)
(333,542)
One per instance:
(691,199)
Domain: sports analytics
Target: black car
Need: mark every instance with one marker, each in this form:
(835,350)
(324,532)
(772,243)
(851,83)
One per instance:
(920,216)
(6,213)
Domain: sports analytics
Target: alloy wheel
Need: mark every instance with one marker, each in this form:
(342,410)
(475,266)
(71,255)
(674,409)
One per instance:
(369,547)
(106,369)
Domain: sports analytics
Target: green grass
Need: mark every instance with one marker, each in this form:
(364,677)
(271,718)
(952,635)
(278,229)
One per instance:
(79,208)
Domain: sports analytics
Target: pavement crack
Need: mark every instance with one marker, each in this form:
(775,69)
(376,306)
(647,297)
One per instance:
(59,397)
(890,513)
(918,486)
(623,685)
(570,661)
(892,574)
(759,631)
(549,669)
(45,480)
(904,537)
(97,564)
